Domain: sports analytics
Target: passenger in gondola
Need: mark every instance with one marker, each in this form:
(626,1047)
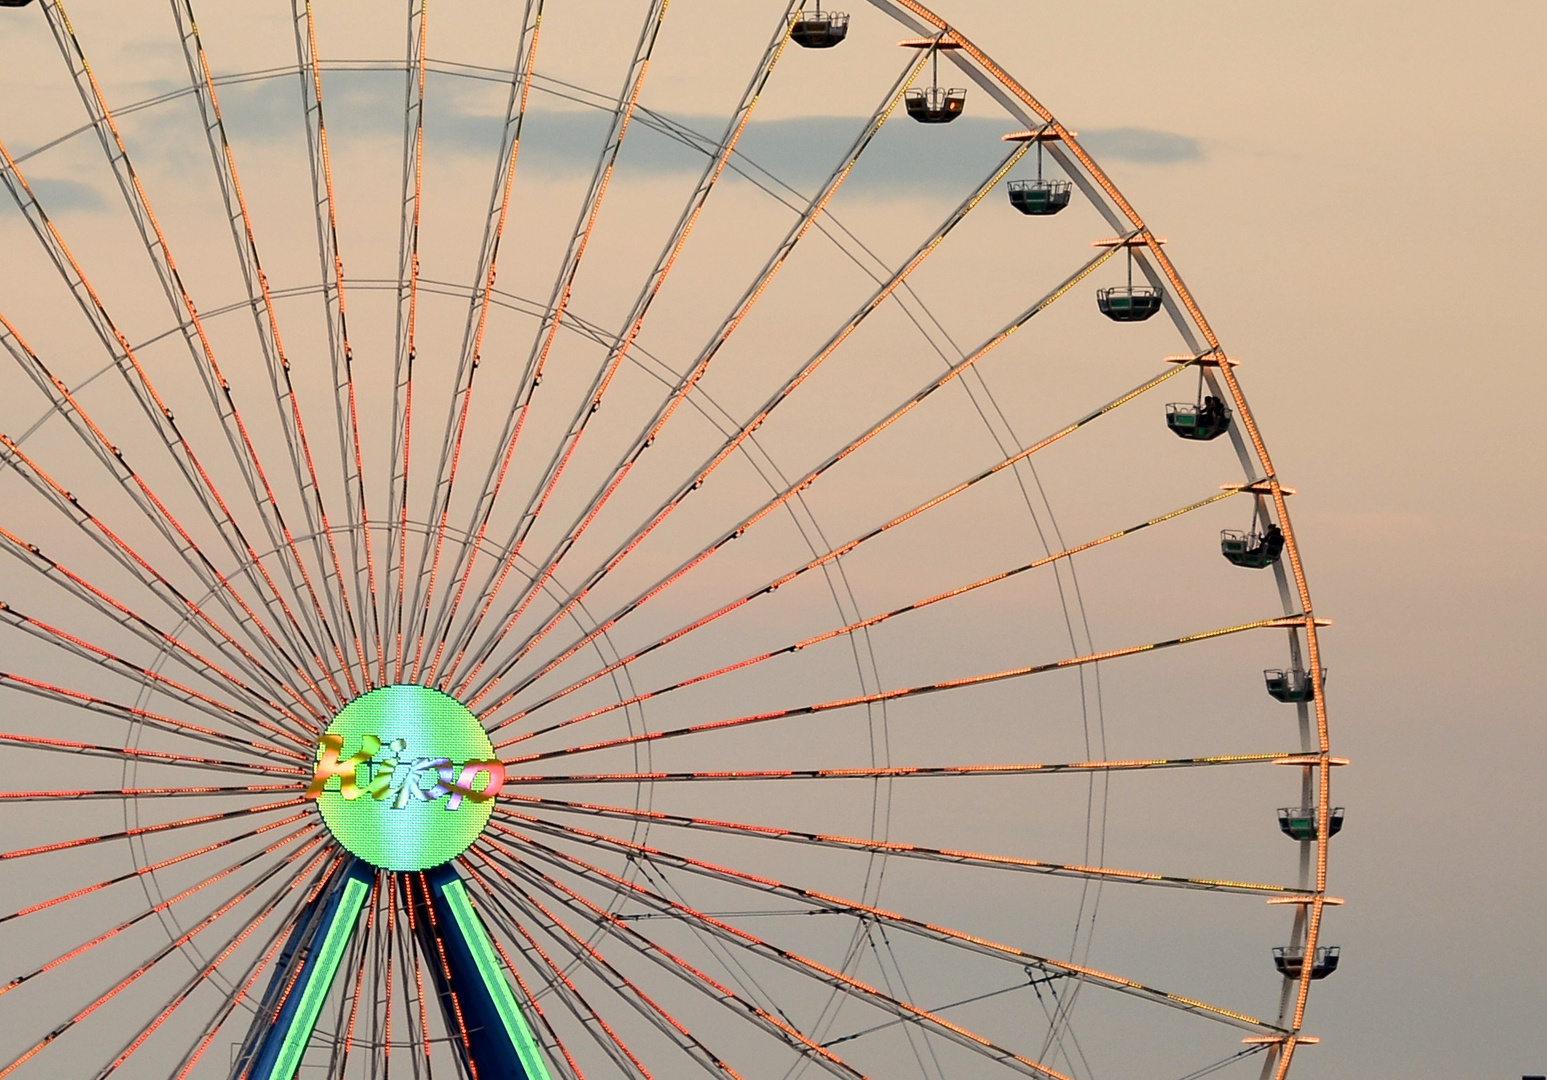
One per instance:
(1273,540)
(1210,414)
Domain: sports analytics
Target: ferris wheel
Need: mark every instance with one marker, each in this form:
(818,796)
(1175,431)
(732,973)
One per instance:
(551,540)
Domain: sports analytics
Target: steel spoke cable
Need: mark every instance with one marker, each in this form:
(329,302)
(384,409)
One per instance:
(235,997)
(561,983)
(853,627)
(433,933)
(793,961)
(143,392)
(77,646)
(669,961)
(151,868)
(506,888)
(946,935)
(346,410)
(410,949)
(896,772)
(164,905)
(260,302)
(174,946)
(527,992)
(411,207)
(876,697)
(135,715)
(671,251)
(146,830)
(33,558)
(779,500)
(160,416)
(141,793)
(158,757)
(542,345)
(201,352)
(259,298)
(859,844)
(479,302)
(94,528)
(689,382)
(153,508)
(1291,547)
(754,292)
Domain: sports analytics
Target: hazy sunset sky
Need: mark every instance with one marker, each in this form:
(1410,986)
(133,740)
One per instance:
(1353,193)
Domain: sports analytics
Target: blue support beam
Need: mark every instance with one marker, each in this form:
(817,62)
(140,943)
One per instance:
(499,1039)
(319,938)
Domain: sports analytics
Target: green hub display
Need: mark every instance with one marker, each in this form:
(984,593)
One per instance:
(405,777)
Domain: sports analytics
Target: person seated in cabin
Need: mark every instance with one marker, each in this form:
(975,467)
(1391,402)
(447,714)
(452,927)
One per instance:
(1211,412)
(1272,540)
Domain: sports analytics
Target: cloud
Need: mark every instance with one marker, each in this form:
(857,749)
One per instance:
(60,196)
(1146,146)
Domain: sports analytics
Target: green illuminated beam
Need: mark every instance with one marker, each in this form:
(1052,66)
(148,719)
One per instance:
(490,971)
(319,980)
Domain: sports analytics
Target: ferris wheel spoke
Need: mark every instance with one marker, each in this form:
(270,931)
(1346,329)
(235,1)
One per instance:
(156,757)
(152,507)
(588,955)
(141,793)
(578,596)
(411,206)
(895,773)
(529,995)
(153,867)
(155,410)
(671,251)
(941,934)
(431,933)
(135,715)
(786,958)
(943,686)
(861,845)
(33,558)
(172,947)
(146,830)
(853,627)
(494,853)
(480,300)
(201,702)
(574,1001)
(345,407)
(201,352)
(260,300)
(408,941)
(813,210)
(202,977)
(239,993)
(548,328)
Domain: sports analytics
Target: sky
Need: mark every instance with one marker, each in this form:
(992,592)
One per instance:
(1351,194)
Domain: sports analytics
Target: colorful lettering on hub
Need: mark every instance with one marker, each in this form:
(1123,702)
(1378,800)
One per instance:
(419,785)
